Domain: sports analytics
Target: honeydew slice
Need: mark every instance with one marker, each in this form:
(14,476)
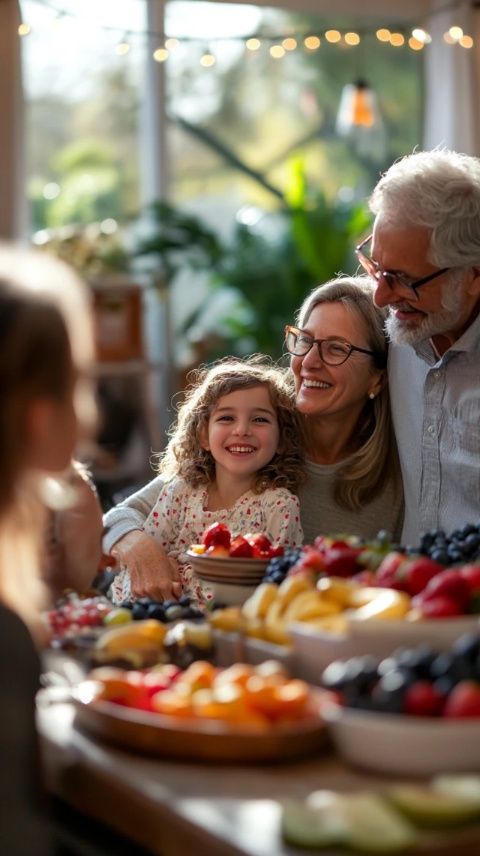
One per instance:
(362,821)
(427,806)
(463,785)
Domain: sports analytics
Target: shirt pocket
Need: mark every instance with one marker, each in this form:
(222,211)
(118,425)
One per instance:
(465,431)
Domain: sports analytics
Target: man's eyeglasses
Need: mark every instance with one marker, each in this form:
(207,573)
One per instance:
(333,352)
(373,268)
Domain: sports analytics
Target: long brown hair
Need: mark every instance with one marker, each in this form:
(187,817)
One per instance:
(45,330)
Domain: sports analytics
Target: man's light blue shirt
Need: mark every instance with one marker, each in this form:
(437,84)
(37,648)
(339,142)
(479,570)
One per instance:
(436,414)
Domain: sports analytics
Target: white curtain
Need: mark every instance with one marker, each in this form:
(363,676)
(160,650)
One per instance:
(452,115)
(12,193)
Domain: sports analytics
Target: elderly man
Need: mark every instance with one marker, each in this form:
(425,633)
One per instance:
(425,257)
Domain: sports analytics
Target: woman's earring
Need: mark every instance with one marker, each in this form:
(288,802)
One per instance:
(371,395)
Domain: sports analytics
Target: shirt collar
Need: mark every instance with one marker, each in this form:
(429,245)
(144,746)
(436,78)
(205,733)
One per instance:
(469,342)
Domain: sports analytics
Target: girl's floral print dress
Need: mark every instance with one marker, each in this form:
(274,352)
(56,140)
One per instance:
(179,519)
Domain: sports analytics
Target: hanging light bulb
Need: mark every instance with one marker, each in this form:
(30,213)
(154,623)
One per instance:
(359,121)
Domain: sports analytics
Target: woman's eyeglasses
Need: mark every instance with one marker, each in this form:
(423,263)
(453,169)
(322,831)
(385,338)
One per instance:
(373,269)
(333,352)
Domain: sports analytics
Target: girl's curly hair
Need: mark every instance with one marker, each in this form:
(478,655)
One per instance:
(184,455)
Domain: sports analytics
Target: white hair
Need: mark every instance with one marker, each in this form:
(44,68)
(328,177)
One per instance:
(439,190)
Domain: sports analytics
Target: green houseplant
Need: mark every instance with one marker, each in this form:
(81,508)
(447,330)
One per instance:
(269,266)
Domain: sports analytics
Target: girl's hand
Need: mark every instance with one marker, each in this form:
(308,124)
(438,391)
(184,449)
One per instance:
(152,573)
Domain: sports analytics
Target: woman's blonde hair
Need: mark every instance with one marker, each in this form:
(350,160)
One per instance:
(184,455)
(365,474)
(45,331)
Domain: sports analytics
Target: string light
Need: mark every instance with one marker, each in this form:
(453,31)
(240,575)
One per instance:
(123,47)
(415,44)
(456,33)
(333,36)
(207,59)
(418,38)
(352,39)
(383,35)
(397,40)
(160,54)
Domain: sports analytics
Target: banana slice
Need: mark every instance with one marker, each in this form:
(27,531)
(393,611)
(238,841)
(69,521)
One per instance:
(257,604)
(309,604)
(386,603)
(291,586)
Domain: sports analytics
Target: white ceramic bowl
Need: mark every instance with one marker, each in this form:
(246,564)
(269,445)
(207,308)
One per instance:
(381,636)
(231,595)
(313,650)
(404,745)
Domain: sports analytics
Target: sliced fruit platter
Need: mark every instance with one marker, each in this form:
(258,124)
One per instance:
(194,713)
(402,817)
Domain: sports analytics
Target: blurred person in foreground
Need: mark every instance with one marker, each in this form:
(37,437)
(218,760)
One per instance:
(424,255)
(45,351)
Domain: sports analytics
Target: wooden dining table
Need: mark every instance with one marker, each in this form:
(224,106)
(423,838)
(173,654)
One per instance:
(186,808)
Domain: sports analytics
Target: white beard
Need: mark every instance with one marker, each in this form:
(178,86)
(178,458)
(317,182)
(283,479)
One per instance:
(401,333)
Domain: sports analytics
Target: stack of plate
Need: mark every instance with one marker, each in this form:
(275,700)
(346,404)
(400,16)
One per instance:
(233,580)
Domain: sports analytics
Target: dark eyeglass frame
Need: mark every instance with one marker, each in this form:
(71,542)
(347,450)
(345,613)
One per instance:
(371,268)
(295,331)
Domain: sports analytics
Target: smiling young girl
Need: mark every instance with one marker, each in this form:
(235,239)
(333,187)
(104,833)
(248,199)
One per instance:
(234,457)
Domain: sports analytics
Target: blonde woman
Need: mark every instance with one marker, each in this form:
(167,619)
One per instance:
(338,359)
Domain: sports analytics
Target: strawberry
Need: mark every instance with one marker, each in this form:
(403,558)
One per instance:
(215,535)
(260,543)
(240,548)
(464,700)
(451,584)
(423,699)
(386,573)
(471,575)
(414,574)
(440,606)
(311,559)
(341,561)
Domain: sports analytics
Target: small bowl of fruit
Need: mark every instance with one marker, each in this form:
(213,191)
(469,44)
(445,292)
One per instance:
(232,565)
(416,712)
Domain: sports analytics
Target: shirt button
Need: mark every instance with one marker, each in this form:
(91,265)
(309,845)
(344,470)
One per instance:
(431,429)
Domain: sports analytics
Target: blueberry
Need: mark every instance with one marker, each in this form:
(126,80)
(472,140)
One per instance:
(467,647)
(173,611)
(185,600)
(454,554)
(468,529)
(389,693)
(127,604)
(156,610)
(139,612)
(440,556)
